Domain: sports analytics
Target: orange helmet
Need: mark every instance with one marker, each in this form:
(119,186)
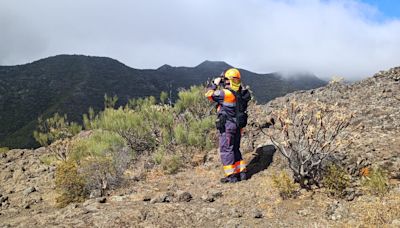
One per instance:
(233,75)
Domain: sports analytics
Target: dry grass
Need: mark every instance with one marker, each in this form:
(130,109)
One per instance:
(285,185)
(379,212)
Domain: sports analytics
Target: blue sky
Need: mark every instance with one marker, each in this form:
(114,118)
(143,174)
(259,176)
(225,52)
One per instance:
(389,8)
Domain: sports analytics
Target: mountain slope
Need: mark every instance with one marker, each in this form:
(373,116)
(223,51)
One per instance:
(194,197)
(72,83)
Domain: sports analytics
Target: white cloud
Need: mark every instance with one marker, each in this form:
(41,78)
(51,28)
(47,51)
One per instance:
(325,37)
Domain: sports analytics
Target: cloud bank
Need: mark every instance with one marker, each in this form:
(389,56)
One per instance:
(337,37)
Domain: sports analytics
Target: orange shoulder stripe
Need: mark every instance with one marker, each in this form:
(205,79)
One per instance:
(229,96)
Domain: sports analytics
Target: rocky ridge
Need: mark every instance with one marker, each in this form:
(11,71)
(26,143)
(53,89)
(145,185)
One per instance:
(375,103)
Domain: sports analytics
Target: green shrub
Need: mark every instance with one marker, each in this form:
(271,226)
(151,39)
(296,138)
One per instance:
(141,126)
(377,182)
(98,144)
(171,164)
(110,102)
(163,97)
(140,103)
(336,180)
(55,128)
(195,132)
(131,126)
(159,155)
(48,159)
(180,134)
(193,102)
(102,159)
(285,185)
(89,119)
(199,132)
(69,184)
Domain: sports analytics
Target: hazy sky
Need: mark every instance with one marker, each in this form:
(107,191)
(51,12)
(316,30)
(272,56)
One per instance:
(348,38)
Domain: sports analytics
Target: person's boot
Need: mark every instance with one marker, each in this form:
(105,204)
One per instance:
(229,179)
(242,176)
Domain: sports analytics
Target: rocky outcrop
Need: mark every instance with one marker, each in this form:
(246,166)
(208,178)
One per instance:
(375,103)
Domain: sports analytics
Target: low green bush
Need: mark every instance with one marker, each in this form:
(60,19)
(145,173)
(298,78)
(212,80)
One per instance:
(48,159)
(102,158)
(164,97)
(336,180)
(159,155)
(70,185)
(131,126)
(171,164)
(145,126)
(117,137)
(110,102)
(376,182)
(192,101)
(89,119)
(55,128)
(285,185)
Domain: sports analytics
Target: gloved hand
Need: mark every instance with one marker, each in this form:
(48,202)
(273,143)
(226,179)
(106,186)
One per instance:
(217,81)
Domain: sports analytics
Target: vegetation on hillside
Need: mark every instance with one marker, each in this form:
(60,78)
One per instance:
(119,136)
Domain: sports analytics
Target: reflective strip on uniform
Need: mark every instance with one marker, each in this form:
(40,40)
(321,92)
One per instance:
(209,94)
(240,166)
(229,104)
(229,97)
(229,169)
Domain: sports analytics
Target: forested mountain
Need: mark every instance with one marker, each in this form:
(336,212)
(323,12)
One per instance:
(72,83)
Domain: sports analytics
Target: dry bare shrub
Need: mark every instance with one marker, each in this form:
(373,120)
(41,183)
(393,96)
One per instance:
(336,79)
(309,133)
(98,172)
(60,148)
(285,185)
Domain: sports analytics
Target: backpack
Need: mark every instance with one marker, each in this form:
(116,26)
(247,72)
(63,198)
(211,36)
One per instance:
(243,97)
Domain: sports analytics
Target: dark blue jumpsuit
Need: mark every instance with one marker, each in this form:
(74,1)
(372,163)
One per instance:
(229,140)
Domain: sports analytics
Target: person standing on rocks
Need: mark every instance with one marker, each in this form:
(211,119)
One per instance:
(231,100)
